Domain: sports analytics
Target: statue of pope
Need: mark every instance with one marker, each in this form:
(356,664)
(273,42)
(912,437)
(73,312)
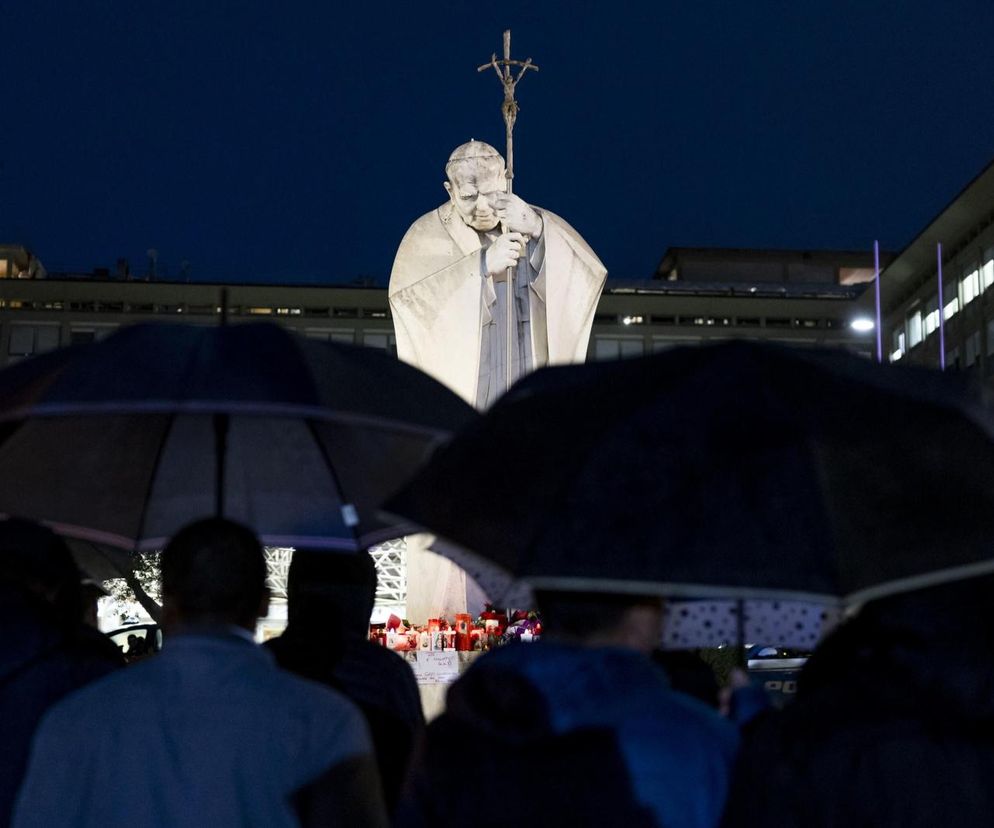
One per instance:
(448,299)
(448,287)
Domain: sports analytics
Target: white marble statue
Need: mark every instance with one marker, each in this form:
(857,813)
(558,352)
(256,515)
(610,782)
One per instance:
(447,295)
(447,287)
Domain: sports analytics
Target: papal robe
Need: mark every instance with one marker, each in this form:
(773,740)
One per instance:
(442,298)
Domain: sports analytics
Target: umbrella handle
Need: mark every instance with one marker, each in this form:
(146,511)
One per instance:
(740,642)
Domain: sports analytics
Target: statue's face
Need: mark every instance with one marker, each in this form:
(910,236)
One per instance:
(473,188)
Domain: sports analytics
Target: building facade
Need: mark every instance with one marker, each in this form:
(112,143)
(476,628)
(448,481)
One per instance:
(956,332)
(808,299)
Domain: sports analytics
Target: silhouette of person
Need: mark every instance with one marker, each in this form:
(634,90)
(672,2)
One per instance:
(330,598)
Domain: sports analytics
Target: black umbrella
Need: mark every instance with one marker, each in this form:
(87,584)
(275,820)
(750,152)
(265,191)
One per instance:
(732,471)
(123,441)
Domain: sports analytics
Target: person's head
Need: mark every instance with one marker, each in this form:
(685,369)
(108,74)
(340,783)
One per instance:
(475,174)
(689,673)
(213,573)
(331,591)
(600,619)
(34,560)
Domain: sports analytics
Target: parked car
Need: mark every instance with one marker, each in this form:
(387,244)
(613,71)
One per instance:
(137,641)
(776,669)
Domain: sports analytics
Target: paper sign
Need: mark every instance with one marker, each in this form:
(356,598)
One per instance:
(436,666)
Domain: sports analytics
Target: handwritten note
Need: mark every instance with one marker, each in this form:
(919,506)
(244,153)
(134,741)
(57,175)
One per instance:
(436,666)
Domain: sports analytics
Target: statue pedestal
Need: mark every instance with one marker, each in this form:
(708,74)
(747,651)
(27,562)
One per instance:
(436,587)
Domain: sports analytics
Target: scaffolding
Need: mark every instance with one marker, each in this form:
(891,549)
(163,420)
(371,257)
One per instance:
(390,559)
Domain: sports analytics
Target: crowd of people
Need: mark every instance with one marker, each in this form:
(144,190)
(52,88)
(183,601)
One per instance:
(893,723)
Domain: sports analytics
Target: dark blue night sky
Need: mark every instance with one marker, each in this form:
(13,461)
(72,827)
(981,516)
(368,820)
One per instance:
(297,141)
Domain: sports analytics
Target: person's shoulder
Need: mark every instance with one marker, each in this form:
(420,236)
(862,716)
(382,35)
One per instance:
(100,698)
(312,697)
(687,720)
(432,221)
(323,723)
(650,698)
(382,657)
(558,220)
(570,233)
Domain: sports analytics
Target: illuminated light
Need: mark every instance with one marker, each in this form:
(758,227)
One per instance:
(862,325)
(632,320)
(894,357)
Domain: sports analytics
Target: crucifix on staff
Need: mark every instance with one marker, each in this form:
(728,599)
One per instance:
(509,108)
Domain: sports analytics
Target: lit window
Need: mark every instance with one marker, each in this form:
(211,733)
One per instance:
(82,335)
(330,335)
(931,322)
(897,341)
(377,340)
(987,273)
(970,286)
(632,347)
(609,347)
(914,329)
(4,269)
(951,309)
(26,340)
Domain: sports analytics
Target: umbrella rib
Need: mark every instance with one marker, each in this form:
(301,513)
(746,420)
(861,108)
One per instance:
(349,524)
(247,408)
(166,431)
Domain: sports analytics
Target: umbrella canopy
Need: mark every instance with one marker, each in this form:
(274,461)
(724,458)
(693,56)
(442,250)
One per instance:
(734,471)
(123,441)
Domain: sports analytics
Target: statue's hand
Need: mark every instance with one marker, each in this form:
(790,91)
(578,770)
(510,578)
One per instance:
(504,253)
(518,215)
